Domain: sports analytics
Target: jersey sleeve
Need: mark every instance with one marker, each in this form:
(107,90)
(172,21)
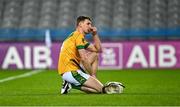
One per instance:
(81,43)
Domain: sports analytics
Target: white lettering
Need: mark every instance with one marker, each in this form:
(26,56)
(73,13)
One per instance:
(137,56)
(167,56)
(42,57)
(27,57)
(152,57)
(12,58)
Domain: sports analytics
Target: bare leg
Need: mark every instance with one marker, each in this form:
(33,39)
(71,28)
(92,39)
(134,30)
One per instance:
(88,90)
(93,83)
(95,67)
(93,59)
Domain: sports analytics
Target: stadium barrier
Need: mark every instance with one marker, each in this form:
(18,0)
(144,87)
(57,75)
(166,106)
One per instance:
(36,35)
(119,55)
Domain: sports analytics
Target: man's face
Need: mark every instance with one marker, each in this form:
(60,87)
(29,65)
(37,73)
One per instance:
(86,26)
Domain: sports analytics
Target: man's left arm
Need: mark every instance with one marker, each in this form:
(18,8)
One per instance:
(96,47)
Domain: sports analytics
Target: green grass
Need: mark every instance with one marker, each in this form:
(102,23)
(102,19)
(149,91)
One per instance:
(143,87)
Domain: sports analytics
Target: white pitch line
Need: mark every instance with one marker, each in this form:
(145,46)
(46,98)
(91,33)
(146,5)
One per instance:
(21,76)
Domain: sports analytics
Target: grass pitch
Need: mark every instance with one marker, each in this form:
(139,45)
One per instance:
(143,87)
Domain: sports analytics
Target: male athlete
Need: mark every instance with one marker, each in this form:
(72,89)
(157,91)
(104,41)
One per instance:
(75,50)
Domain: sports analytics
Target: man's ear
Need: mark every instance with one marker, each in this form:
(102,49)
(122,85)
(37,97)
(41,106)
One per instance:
(80,23)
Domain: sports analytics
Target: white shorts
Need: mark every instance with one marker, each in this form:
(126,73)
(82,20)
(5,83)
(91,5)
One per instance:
(76,78)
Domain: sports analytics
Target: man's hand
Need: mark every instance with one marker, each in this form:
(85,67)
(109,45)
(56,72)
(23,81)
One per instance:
(97,42)
(94,31)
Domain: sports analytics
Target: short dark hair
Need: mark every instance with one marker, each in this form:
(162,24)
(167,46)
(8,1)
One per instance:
(81,18)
